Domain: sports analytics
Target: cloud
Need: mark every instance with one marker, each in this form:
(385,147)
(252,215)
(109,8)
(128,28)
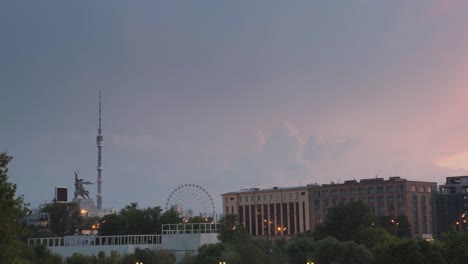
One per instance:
(454,161)
(286,159)
(284,146)
(315,151)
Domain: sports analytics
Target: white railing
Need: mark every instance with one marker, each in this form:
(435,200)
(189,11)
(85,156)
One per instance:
(190,228)
(97,240)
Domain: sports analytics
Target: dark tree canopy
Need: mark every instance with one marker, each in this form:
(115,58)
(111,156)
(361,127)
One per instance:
(65,218)
(11,211)
(345,220)
(135,220)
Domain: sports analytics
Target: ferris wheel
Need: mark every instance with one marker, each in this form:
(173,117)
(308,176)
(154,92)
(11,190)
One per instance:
(191,200)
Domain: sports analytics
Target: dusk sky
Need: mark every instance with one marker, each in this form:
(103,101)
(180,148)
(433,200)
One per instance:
(231,94)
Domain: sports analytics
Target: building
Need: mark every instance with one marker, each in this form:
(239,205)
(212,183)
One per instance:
(392,197)
(37,218)
(289,211)
(451,205)
(270,212)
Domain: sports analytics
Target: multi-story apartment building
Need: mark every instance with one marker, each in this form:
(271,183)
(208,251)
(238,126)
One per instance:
(451,205)
(270,212)
(288,211)
(392,197)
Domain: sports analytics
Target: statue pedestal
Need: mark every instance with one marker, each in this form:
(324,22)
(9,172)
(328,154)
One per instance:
(86,204)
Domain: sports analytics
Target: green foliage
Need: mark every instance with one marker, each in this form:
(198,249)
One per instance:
(330,250)
(344,221)
(210,253)
(37,254)
(300,249)
(65,218)
(371,236)
(396,226)
(230,230)
(188,259)
(78,258)
(408,251)
(11,210)
(133,220)
(149,256)
(456,247)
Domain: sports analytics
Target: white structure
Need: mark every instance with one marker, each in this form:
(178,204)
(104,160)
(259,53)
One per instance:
(178,238)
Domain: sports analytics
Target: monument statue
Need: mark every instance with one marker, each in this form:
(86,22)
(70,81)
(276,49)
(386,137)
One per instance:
(79,187)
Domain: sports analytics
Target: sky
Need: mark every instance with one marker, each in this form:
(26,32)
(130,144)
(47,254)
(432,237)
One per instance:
(230,94)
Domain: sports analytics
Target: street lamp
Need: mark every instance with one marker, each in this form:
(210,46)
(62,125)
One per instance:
(396,224)
(461,220)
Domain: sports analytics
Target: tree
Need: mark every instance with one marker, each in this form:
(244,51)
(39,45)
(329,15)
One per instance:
(397,226)
(455,246)
(344,221)
(65,218)
(300,249)
(38,254)
(410,251)
(230,230)
(149,256)
(332,251)
(12,209)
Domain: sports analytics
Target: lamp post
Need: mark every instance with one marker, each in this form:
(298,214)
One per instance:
(461,220)
(396,224)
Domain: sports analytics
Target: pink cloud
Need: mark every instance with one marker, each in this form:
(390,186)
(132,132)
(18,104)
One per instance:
(454,161)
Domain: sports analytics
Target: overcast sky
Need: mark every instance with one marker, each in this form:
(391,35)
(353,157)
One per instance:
(231,94)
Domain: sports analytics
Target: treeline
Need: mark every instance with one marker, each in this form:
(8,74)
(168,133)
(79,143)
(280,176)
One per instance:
(351,235)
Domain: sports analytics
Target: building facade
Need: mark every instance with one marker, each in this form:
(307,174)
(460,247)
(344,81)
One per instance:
(392,197)
(451,205)
(289,211)
(270,212)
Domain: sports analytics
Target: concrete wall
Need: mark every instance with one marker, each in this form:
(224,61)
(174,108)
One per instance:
(180,244)
(67,251)
(188,241)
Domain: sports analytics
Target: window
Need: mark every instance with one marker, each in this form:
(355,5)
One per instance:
(380,189)
(333,193)
(231,198)
(252,198)
(303,193)
(325,194)
(264,197)
(399,188)
(429,189)
(390,199)
(290,196)
(370,200)
(325,203)
(240,199)
(370,190)
(380,199)
(361,190)
(352,191)
(390,189)
(421,188)
(413,188)
(271,197)
(258,197)
(343,192)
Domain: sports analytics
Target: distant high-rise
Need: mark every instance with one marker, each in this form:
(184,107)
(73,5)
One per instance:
(99,141)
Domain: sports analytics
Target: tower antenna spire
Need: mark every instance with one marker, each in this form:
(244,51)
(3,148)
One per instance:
(99,141)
